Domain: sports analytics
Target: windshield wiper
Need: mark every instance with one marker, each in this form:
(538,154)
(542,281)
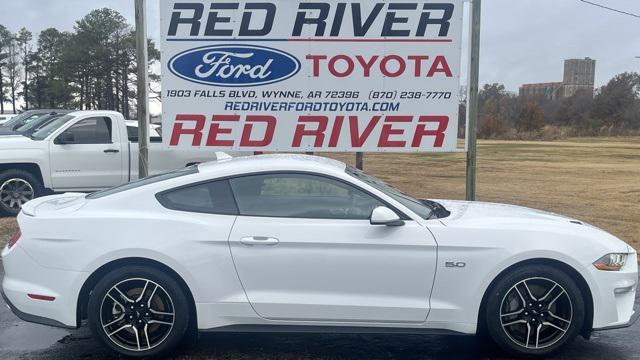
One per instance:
(437,209)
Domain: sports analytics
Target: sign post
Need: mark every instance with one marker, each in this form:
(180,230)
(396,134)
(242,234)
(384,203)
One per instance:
(473,110)
(143,90)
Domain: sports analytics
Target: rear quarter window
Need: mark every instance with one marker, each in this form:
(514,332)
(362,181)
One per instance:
(211,198)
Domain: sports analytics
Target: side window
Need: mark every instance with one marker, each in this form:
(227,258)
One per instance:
(212,198)
(301,196)
(89,131)
(132,133)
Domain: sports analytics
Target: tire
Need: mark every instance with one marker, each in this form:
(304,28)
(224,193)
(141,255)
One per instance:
(17,187)
(528,299)
(161,295)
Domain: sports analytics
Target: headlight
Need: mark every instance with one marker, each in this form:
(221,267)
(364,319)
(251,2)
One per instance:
(611,262)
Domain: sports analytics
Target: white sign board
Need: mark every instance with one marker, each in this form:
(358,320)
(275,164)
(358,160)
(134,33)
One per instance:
(291,75)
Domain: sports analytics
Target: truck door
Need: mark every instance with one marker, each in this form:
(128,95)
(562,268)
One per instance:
(87,155)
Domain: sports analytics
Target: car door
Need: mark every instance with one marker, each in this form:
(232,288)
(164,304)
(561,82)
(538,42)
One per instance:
(304,250)
(87,155)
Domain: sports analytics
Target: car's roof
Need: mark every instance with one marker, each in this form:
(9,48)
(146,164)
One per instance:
(93,112)
(273,162)
(47,111)
(134,123)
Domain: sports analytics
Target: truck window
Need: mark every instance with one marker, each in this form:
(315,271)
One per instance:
(132,134)
(48,129)
(91,131)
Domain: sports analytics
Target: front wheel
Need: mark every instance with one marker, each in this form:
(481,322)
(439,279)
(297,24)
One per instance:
(138,311)
(534,310)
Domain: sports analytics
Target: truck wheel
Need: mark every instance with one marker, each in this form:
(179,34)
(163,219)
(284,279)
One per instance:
(16,188)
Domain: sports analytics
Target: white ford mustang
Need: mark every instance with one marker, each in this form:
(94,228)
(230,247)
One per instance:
(298,243)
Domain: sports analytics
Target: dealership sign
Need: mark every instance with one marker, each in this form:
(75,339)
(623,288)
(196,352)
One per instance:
(292,75)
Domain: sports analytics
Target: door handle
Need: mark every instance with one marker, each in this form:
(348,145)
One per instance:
(112,151)
(259,240)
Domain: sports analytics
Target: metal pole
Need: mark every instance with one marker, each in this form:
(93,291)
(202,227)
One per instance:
(472,105)
(360,161)
(143,92)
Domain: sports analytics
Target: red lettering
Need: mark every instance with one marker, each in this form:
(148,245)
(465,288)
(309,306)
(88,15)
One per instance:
(335,132)
(357,139)
(301,130)
(335,72)
(196,131)
(439,133)
(366,66)
(402,66)
(316,63)
(388,131)
(417,59)
(215,130)
(248,129)
(392,66)
(440,65)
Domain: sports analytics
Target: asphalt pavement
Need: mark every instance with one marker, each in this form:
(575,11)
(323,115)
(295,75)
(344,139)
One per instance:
(21,340)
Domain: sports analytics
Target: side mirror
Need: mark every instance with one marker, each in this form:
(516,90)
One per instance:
(385,216)
(65,138)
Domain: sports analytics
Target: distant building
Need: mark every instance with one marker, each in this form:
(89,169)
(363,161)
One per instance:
(579,74)
(548,91)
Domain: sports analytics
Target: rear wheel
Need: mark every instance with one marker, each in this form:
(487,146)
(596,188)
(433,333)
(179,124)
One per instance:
(138,311)
(16,188)
(535,310)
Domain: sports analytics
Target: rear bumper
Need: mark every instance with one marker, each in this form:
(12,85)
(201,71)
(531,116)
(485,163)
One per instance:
(33,318)
(24,276)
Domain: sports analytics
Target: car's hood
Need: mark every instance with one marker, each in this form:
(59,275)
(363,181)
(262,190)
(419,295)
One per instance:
(18,142)
(510,217)
(7,131)
(471,210)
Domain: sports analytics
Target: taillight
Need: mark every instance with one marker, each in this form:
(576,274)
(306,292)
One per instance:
(14,239)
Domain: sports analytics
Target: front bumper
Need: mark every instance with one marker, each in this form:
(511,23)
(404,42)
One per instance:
(631,322)
(614,296)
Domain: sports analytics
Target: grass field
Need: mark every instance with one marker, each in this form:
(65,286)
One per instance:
(593,179)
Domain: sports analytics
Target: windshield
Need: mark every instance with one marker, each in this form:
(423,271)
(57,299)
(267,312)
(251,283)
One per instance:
(415,205)
(20,120)
(34,124)
(51,127)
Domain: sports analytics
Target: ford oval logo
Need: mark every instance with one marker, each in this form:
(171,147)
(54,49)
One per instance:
(234,65)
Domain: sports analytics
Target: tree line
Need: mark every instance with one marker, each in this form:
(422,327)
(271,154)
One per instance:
(614,109)
(92,67)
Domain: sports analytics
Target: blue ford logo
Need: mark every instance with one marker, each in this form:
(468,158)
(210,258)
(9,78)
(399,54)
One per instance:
(234,65)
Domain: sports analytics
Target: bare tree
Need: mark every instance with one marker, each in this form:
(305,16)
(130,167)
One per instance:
(13,68)
(5,40)
(23,39)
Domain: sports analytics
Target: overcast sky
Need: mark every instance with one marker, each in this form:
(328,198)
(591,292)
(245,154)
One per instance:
(523,41)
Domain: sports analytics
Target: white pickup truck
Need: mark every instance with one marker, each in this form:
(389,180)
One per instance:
(82,151)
